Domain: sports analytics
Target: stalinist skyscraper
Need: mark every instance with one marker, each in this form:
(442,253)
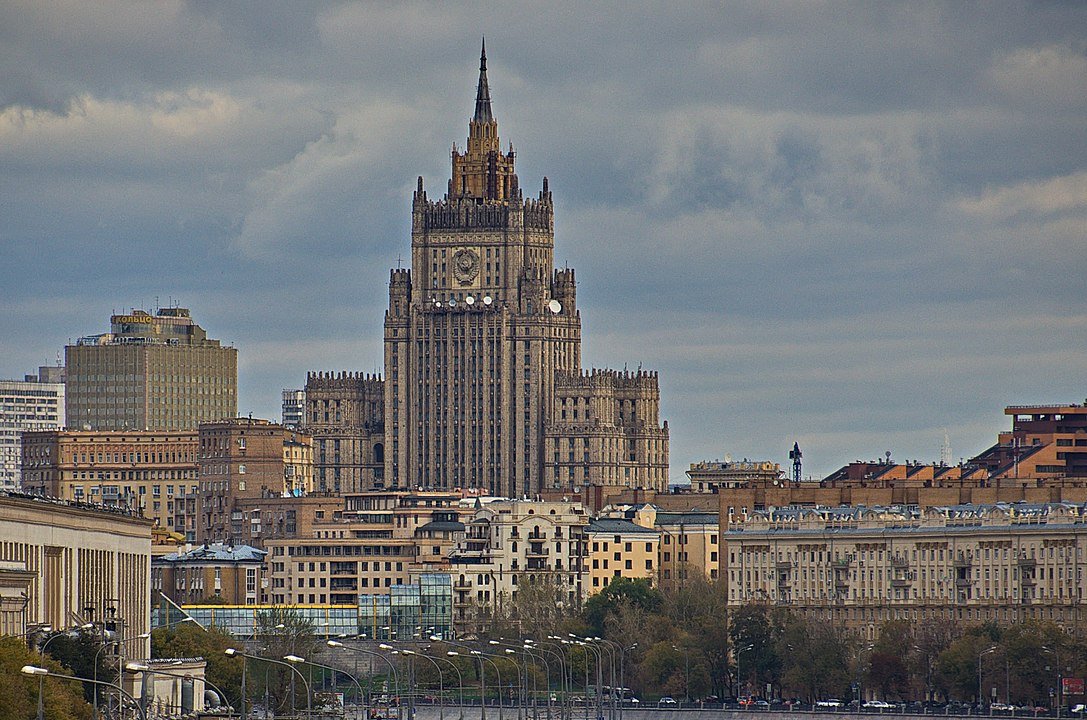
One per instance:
(483,381)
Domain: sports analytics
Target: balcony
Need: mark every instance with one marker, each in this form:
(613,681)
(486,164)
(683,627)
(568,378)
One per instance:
(783,565)
(841,564)
(963,561)
(899,561)
(462,585)
(963,582)
(1026,562)
(900,582)
(536,550)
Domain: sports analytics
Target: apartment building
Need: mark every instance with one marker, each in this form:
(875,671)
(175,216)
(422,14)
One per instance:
(508,543)
(151,473)
(34,403)
(860,567)
(689,543)
(377,540)
(231,575)
(243,461)
(618,547)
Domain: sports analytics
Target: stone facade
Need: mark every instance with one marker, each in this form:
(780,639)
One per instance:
(481,334)
(861,567)
(345,415)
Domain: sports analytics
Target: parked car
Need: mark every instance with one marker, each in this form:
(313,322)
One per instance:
(878,705)
(666,701)
(830,703)
(761,704)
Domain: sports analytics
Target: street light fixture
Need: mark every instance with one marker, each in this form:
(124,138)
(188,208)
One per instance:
(43,673)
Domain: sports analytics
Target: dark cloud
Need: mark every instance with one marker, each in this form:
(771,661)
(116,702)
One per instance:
(852,225)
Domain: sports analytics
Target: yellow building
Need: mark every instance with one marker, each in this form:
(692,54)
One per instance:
(688,543)
(149,472)
(620,548)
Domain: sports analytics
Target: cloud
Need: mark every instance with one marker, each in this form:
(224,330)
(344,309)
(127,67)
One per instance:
(1048,197)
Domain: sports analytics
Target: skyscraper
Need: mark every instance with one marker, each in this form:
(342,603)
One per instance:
(483,347)
(150,372)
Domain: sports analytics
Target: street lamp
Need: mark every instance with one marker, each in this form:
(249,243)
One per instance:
(441,683)
(980,655)
(288,661)
(738,652)
(43,673)
(371,653)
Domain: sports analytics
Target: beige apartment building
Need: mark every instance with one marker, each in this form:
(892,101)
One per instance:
(150,372)
(510,543)
(689,543)
(152,473)
(620,548)
(860,567)
(64,564)
(377,540)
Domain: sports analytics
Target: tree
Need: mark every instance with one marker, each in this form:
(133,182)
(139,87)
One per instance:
(636,592)
(189,640)
(62,700)
(78,652)
(888,669)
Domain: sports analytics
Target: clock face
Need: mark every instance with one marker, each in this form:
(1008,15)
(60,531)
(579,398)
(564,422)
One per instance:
(465,266)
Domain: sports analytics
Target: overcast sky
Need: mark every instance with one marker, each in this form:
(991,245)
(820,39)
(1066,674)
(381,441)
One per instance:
(850,225)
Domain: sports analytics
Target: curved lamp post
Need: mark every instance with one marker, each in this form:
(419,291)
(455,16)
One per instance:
(288,661)
(331,669)
(122,643)
(135,667)
(45,672)
(371,653)
(441,682)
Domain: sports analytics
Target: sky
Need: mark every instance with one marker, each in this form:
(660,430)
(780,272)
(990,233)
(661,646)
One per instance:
(859,227)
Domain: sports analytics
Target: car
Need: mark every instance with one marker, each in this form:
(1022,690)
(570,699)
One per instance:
(761,704)
(1079,709)
(666,701)
(830,703)
(877,705)
(1001,707)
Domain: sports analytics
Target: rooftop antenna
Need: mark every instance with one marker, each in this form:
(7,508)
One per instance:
(398,261)
(945,450)
(795,456)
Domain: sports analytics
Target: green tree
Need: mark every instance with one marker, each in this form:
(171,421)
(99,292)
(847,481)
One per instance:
(753,646)
(189,640)
(635,592)
(63,699)
(78,651)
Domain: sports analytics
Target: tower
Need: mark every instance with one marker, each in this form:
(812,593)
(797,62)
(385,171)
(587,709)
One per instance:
(480,330)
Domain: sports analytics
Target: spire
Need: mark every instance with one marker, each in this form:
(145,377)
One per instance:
(483,92)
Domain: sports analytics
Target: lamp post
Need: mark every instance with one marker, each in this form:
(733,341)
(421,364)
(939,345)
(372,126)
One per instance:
(441,683)
(326,667)
(288,661)
(44,673)
(981,655)
(372,654)
(135,667)
(738,652)
(122,643)
(1060,677)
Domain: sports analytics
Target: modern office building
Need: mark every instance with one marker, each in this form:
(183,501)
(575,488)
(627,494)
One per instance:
(150,372)
(859,567)
(294,408)
(148,473)
(74,563)
(483,348)
(34,403)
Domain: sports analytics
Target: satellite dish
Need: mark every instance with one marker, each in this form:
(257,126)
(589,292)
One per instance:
(555,307)
(470,300)
(487,300)
(728,457)
(437,303)
(452,302)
